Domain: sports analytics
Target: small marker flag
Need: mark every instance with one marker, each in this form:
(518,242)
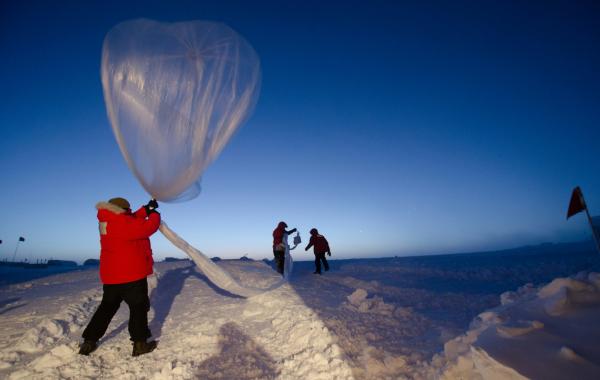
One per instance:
(21,238)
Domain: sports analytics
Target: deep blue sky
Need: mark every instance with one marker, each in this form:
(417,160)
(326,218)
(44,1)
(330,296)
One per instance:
(396,128)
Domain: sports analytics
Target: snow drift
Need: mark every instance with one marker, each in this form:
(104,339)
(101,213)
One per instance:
(539,333)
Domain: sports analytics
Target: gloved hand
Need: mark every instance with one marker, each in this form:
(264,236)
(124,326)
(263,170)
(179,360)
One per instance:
(328,253)
(151,206)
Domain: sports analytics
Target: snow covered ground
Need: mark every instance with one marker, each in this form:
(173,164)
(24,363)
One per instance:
(419,318)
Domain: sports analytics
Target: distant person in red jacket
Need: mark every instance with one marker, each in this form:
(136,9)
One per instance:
(321,247)
(279,245)
(125,262)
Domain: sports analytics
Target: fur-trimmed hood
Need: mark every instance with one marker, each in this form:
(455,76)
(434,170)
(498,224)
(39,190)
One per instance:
(109,207)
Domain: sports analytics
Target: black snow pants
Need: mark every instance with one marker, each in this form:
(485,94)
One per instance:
(279,260)
(318,258)
(135,295)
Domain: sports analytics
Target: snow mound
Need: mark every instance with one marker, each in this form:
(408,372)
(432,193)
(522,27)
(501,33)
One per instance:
(358,301)
(46,333)
(518,328)
(50,331)
(565,294)
(536,333)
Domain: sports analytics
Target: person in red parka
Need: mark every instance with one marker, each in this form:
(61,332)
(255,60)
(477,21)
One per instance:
(321,247)
(125,262)
(279,245)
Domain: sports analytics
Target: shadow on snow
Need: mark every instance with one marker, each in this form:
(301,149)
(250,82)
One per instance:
(239,358)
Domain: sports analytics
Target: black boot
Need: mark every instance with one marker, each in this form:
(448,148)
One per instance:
(141,348)
(148,335)
(87,347)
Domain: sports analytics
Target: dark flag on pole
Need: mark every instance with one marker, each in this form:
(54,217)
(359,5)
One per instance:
(577,203)
(21,238)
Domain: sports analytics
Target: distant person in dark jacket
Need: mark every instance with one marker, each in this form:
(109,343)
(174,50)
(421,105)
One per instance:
(125,262)
(279,245)
(321,247)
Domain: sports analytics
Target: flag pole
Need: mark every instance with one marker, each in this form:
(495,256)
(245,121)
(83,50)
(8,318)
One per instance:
(17,247)
(592,227)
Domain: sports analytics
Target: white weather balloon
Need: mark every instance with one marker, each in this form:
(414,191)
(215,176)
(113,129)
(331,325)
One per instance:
(175,94)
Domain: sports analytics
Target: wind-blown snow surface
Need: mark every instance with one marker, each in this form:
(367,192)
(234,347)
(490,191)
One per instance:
(364,319)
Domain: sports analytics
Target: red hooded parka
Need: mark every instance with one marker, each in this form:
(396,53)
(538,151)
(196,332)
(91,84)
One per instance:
(318,241)
(125,252)
(278,234)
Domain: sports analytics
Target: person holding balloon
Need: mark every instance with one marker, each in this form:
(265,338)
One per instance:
(175,94)
(125,262)
(279,245)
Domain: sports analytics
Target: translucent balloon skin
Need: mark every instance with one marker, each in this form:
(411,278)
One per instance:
(175,93)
